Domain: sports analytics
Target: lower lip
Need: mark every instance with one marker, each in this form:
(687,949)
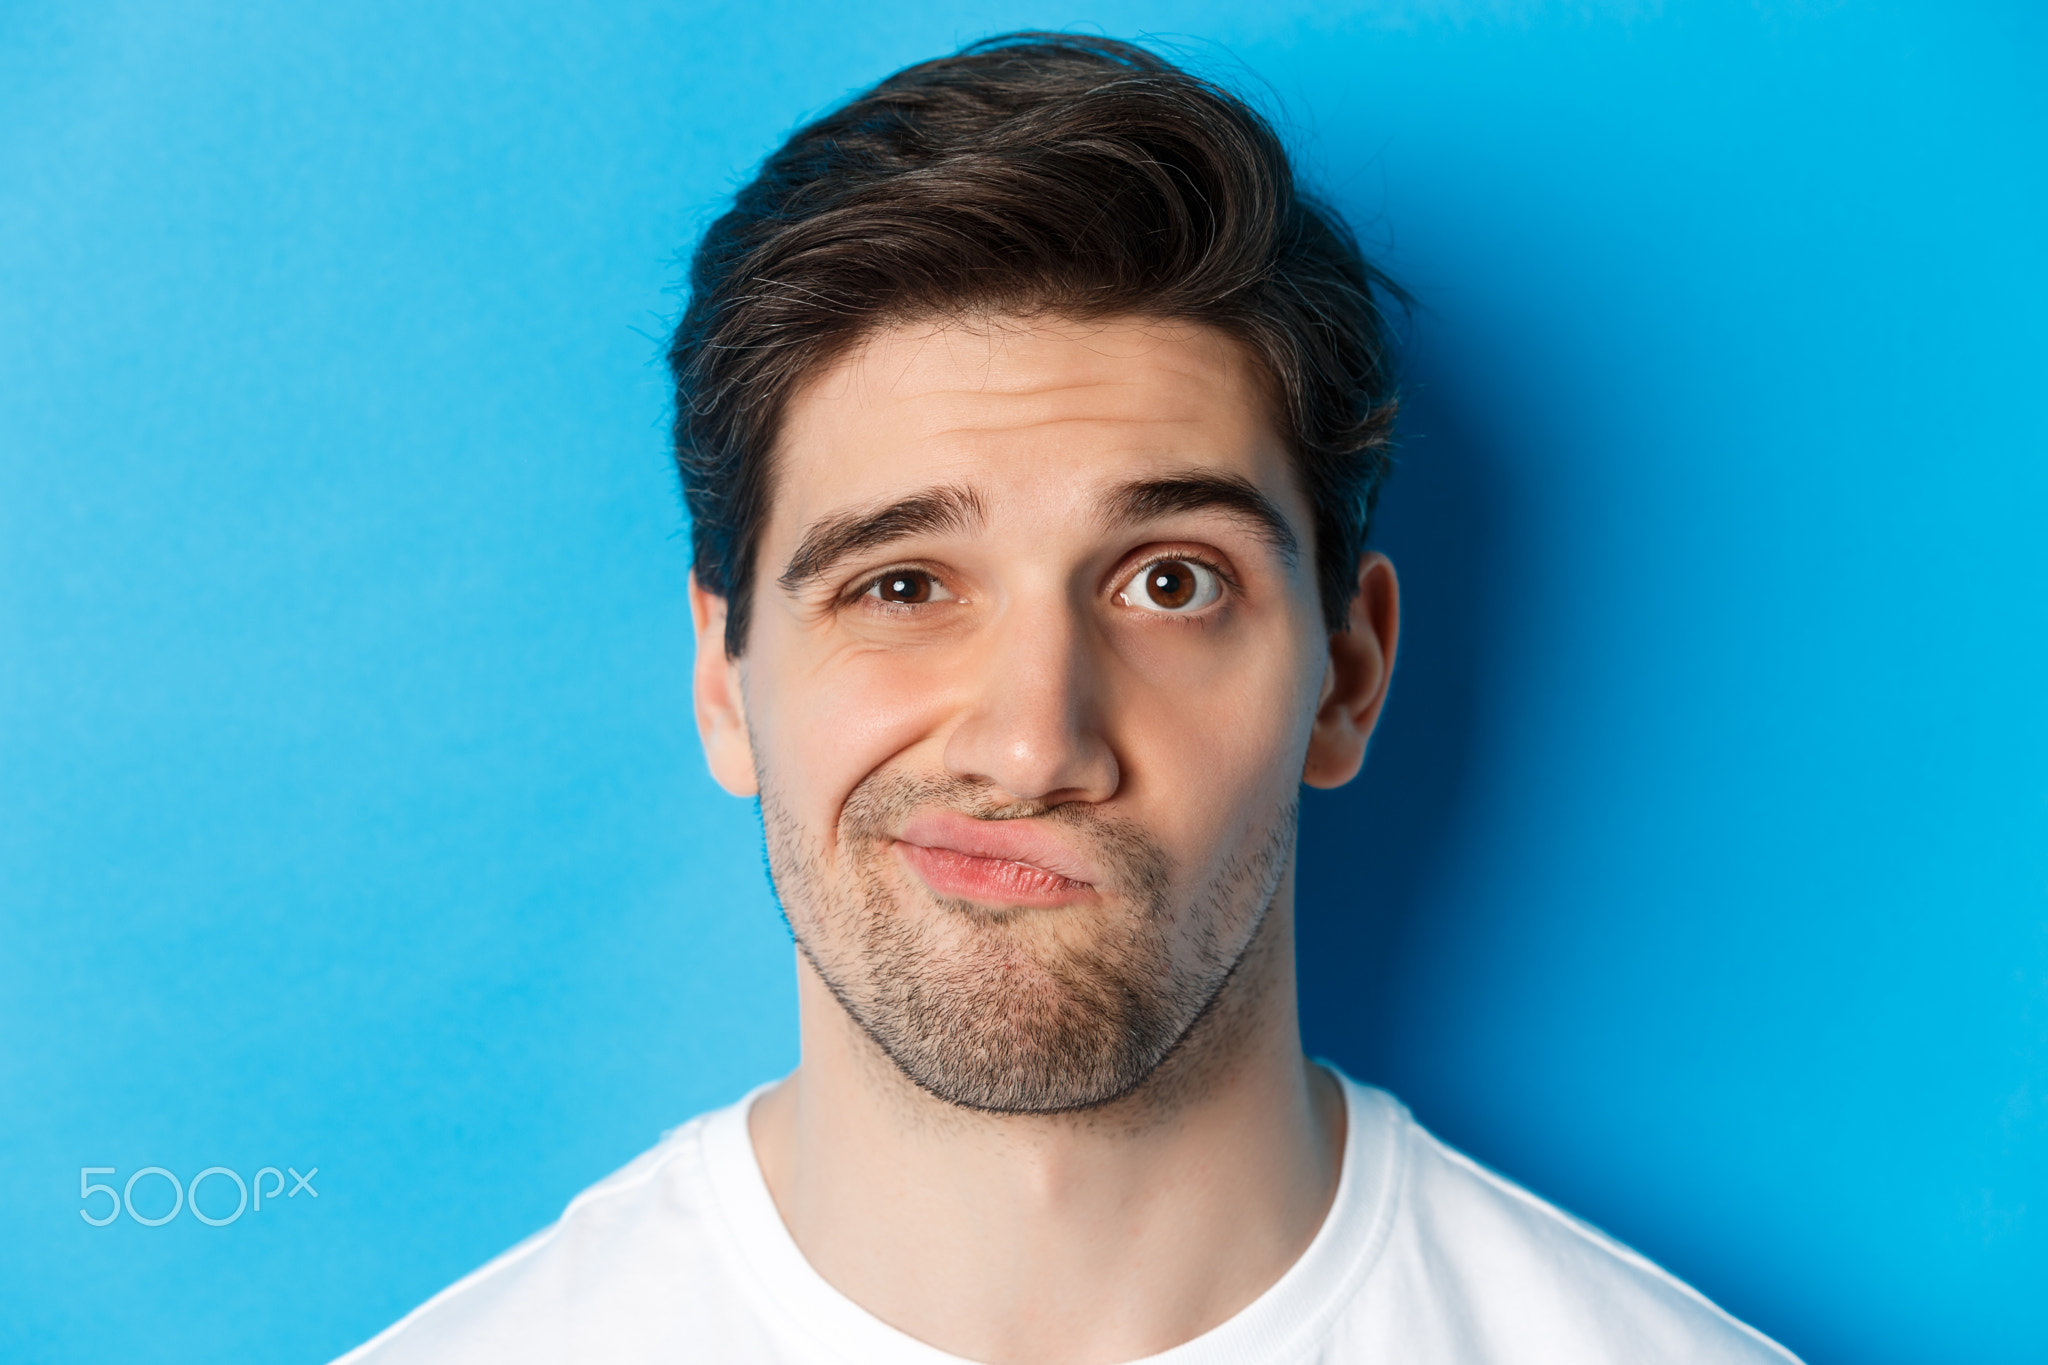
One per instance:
(993,881)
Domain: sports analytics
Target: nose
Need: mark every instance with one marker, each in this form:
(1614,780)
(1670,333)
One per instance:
(1034,728)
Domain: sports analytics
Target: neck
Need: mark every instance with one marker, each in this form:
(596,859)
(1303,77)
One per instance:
(1072,1238)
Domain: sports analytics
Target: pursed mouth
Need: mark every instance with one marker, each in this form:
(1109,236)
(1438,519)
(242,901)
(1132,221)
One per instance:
(954,874)
(1032,843)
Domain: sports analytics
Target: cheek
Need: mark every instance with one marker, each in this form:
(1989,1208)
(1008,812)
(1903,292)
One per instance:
(822,726)
(1216,738)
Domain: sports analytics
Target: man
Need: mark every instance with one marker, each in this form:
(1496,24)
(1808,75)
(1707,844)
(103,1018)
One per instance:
(1030,420)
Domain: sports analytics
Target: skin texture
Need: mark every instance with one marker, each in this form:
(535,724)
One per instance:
(1034,833)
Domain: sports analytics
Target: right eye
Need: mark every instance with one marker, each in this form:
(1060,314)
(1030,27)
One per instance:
(1173,586)
(905,588)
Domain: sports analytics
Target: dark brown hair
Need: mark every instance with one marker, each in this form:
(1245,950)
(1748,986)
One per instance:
(1036,172)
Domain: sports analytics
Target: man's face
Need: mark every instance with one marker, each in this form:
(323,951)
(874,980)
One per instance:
(1027,691)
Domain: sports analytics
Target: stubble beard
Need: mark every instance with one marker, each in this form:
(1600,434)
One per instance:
(1007,1010)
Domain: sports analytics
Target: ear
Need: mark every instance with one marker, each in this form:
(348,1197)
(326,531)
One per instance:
(1355,681)
(721,707)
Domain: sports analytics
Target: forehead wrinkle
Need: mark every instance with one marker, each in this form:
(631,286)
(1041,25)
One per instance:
(834,537)
(1182,385)
(969,431)
(973,414)
(1004,390)
(1095,377)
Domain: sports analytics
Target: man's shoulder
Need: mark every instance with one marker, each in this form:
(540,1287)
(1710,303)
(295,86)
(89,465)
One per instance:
(1476,1261)
(633,1257)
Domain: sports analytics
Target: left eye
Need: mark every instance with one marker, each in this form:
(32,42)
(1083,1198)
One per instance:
(1179,586)
(906,588)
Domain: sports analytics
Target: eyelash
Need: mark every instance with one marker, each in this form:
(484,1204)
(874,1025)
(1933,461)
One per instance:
(864,588)
(1228,579)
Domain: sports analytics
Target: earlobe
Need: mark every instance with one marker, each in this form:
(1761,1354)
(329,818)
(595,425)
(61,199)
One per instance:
(716,691)
(1355,679)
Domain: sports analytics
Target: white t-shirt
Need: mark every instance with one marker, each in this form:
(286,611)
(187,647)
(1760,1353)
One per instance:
(1424,1257)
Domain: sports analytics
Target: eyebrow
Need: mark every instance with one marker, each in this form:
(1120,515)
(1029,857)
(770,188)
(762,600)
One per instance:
(1231,494)
(828,542)
(831,541)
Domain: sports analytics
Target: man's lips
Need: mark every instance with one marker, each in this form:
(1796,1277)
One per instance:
(1002,862)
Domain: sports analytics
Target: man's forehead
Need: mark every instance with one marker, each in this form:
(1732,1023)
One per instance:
(1001,356)
(1024,412)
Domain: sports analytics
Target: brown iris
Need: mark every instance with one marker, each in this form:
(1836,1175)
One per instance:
(1171,583)
(907,587)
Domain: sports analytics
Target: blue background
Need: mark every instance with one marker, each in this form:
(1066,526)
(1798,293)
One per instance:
(350,807)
